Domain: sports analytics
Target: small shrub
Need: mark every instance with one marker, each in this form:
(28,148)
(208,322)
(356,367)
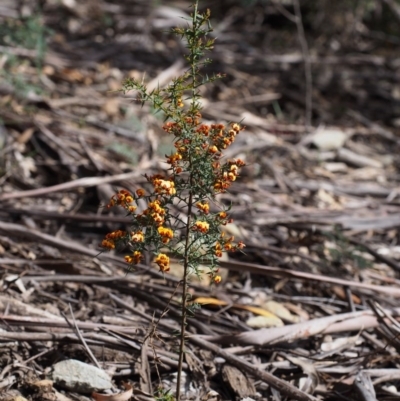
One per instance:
(197,173)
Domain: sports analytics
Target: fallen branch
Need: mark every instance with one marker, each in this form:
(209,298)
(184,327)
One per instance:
(279,384)
(353,321)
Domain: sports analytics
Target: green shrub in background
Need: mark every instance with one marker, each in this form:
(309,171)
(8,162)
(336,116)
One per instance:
(27,33)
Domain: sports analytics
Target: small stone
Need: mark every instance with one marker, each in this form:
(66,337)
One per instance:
(80,377)
(329,138)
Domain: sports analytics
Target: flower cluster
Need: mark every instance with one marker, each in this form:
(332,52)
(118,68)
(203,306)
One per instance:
(212,138)
(201,226)
(137,236)
(226,174)
(162,261)
(203,206)
(174,159)
(166,234)
(227,244)
(123,198)
(112,238)
(164,187)
(221,137)
(134,259)
(214,276)
(154,216)
(175,128)
(155,211)
(197,154)
(207,140)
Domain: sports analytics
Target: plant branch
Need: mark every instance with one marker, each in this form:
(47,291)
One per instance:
(184,290)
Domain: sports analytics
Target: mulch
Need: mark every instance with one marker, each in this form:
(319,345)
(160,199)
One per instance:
(309,311)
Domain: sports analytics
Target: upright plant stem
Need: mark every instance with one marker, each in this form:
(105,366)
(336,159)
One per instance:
(184,291)
(193,61)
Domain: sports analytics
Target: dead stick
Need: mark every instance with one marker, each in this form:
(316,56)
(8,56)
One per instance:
(279,384)
(276,271)
(11,228)
(81,182)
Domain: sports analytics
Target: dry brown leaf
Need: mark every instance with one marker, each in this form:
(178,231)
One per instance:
(124,396)
(72,75)
(300,313)
(111,107)
(253,309)
(26,135)
(341,294)
(43,384)
(256,310)
(281,311)
(210,301)
(261,322)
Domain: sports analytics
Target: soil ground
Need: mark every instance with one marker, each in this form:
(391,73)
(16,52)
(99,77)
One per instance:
(313,301)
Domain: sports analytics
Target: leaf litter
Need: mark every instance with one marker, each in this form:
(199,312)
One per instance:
(317,208)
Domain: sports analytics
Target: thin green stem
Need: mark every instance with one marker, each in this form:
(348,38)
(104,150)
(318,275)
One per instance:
(184,291)
(193,62)
(188,223)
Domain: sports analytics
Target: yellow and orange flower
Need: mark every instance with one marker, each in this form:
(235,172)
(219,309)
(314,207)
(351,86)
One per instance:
(155,211)
(222,215)
(174,158)
(131,208)
(162,261)
(109,241)
(108,244)
(213,149)
(228,246)
(123,198)
(164,187)
(201,226)
(137,236)
(170,126)
(134,259)
(236,127)
(203,206)
(203,129)
(166,234)
(218,250)
(116,234)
